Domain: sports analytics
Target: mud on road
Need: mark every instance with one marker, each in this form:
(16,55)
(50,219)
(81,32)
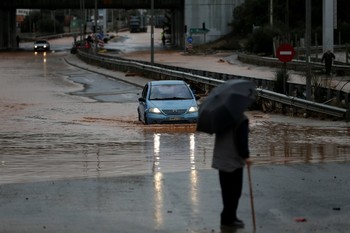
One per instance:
(53,127)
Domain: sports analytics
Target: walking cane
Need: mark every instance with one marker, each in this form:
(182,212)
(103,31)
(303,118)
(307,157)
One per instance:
(251,196)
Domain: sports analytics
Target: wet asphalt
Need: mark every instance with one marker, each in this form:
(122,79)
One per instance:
(310,197)
(293,198)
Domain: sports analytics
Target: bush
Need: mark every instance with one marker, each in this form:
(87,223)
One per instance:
(280,81)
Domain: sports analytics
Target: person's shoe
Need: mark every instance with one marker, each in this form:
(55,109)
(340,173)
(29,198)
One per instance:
(237,223)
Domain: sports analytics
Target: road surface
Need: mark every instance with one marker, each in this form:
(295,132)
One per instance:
(74,158)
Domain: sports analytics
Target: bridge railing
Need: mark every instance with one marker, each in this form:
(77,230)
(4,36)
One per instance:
(212,79)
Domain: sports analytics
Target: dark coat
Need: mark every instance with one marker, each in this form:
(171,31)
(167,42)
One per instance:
(231,147)
(328,57)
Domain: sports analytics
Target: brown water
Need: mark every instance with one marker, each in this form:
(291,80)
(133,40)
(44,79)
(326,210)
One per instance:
(46,133)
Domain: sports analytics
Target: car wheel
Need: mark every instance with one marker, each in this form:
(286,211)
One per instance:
(138,114)
(146,121)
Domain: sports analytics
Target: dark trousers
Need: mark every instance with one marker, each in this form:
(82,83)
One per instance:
(231,190)
(328,67)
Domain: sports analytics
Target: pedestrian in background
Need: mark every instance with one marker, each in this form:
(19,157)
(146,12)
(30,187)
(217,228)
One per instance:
(231,153)
(163,38)
(17,40)
(328,58)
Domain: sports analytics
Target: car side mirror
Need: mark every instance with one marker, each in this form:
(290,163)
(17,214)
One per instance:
(197,97)
(141,99)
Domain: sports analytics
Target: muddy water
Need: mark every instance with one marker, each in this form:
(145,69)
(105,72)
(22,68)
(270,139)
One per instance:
(55,126)
(286,140)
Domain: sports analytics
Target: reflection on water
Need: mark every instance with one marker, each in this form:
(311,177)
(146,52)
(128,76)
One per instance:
(27,156)
(156,161)
(291,143)
(194,189)
(158,199)
(106,149)
(192,152)
(174,151)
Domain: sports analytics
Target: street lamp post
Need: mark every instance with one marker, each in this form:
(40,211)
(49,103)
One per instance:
(271,13)
(81,20)
(95,21)
(152,32)
(308,44)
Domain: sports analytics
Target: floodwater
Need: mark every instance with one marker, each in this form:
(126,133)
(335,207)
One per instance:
(59,122)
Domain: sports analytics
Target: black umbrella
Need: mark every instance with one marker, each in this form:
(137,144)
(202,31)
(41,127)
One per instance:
(225,105)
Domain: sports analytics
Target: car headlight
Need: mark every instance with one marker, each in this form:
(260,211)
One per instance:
(193,109)
(154,110)
(44,46)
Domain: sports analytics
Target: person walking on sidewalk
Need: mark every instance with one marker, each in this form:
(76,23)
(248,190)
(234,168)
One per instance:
(231,153)
(17,41)
(328,58)
(163,38)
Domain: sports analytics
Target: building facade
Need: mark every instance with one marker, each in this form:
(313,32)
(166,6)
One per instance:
(213,15)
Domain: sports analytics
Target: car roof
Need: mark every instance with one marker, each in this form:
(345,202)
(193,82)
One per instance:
(167,82)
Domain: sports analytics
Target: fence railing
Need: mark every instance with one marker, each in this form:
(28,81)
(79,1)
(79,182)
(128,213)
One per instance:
(302,103)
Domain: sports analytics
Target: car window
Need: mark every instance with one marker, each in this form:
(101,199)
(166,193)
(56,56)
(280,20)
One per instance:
(171,91)
(144,91)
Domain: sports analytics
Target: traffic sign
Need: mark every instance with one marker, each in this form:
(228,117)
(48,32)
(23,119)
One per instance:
(285,52)
(198,30)
(189,39)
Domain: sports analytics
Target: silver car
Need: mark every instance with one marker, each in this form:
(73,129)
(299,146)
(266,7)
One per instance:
(41,45)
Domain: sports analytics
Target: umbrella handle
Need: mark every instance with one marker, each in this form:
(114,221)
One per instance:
(251,196)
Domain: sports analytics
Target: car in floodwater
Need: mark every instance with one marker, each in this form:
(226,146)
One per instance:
(167,101)
(41,45)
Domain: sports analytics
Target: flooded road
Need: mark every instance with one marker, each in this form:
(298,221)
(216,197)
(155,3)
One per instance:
(58,122)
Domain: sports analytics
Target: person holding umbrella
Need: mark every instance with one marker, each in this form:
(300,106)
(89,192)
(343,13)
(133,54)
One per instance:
(231,152)
(222,113)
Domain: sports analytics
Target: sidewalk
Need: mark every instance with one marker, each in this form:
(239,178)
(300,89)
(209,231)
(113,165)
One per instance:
(225,62)
(295,198)
(134,79)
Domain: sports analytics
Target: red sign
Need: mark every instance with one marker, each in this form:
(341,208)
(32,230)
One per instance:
(285,52)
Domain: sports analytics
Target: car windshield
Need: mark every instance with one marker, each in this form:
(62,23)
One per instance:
(170,92)
(40,42)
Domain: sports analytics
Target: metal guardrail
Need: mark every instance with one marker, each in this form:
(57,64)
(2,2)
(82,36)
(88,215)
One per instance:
(302,103)
(153,68)
(262,93)
(298,65)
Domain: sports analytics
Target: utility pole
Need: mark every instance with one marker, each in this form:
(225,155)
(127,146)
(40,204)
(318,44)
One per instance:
(95,32)
(308,45)
(152,32)
(287,21)
(84,19)
(271,13)
(81,19)
(329,23)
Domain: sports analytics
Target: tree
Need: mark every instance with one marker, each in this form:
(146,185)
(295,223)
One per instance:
(289,20)
(252,12)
